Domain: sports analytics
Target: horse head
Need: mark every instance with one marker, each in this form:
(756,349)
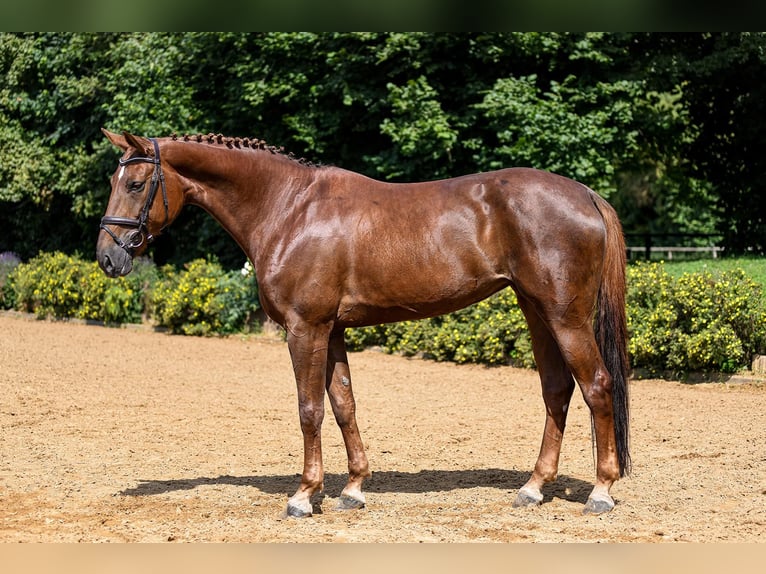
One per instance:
(145,198)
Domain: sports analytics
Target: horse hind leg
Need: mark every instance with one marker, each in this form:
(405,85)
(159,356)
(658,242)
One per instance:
(584,359)
(341,396)
(557,387)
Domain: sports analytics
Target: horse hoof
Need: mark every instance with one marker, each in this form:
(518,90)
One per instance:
(527,498)
(346,502)
(296,512)
(596,506)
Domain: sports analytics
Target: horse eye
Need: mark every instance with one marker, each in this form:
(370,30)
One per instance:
(135,186)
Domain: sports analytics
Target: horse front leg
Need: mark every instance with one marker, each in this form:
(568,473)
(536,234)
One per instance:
(308,347)
(344,408)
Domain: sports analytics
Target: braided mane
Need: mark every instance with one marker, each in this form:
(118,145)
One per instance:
(239,143)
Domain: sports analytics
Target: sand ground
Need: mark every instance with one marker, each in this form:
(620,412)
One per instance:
(128,435)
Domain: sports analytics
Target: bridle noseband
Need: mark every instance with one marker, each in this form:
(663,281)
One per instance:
(137,238)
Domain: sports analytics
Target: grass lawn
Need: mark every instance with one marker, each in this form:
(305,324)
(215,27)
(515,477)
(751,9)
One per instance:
(752,266)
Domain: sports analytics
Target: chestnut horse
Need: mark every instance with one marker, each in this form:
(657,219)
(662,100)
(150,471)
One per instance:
(333,249)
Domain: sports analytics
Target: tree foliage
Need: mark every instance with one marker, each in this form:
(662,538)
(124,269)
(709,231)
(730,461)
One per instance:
(666,126)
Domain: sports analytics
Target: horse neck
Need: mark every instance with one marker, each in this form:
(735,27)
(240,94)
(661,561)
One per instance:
(240,188)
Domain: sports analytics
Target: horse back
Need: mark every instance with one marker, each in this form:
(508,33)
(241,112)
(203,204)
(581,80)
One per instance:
(379,252)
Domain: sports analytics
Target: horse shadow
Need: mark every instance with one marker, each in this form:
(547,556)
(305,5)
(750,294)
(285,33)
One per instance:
(421,482)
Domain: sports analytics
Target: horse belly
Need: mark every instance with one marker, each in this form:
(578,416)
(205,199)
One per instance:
(416,289)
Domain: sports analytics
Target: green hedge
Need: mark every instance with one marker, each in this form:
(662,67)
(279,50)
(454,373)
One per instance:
(491,332)
(201,299)
(699,321)
(59,285)
(204,299)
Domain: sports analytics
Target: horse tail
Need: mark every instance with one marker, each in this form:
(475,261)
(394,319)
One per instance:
(611,327)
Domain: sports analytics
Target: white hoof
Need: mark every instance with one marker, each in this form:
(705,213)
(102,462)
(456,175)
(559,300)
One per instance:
(300,508)
(598,503)
(527,497)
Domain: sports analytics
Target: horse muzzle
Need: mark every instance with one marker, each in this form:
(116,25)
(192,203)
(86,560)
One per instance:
(114,260)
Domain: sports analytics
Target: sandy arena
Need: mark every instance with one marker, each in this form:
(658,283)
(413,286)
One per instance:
(128,435)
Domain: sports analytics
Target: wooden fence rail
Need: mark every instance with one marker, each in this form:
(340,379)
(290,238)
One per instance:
(714,250)
(648,241)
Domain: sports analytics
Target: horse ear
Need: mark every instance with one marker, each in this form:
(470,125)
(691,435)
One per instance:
(140,143)
(116,139)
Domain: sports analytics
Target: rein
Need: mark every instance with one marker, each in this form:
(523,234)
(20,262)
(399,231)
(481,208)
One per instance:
(141,234)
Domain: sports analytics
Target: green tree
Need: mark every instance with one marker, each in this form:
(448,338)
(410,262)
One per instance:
(58,90)
(665,126)
(717,79)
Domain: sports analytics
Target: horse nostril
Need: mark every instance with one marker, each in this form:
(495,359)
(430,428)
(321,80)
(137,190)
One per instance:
(108,265)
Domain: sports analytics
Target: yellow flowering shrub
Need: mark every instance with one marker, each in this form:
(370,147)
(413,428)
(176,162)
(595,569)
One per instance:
(492,331)
(701,321)
(48,285)
(59,285)
(204,299)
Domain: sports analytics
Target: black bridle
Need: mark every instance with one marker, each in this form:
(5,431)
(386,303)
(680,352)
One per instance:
(141,234)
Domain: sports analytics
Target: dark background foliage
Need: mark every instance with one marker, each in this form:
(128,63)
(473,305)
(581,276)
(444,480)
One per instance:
(666,126)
